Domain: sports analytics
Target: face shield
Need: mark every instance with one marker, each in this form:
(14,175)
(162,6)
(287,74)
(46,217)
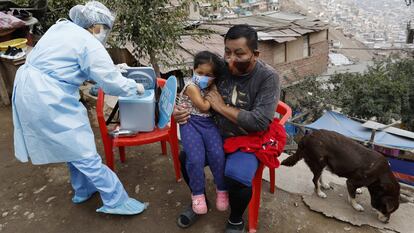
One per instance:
(101,32)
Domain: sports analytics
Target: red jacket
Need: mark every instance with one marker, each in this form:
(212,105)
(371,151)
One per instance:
(267,145)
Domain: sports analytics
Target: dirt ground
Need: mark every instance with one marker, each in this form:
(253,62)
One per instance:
(38,198)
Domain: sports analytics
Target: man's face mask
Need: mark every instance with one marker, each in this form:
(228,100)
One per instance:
(201,80)
(241,66)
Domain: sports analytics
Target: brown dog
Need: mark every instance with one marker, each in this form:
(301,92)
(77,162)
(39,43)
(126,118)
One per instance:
(360,165)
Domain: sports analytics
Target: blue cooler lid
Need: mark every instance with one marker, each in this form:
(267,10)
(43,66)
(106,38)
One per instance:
(143,75)
(167,101)
(147,97)
(146,69)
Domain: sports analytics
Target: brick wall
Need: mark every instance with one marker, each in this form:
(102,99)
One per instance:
(266,51)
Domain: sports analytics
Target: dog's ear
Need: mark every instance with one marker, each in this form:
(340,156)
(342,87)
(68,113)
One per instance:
(390,205)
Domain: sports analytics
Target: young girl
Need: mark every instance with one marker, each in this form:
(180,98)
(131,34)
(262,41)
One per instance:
(200,137)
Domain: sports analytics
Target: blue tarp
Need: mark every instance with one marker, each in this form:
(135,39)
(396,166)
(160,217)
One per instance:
(341,124)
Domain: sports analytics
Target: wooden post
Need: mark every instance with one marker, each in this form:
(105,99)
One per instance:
(371,140)
(8,69)
(3,89)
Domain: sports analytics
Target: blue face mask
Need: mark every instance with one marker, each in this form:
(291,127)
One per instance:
(201,80)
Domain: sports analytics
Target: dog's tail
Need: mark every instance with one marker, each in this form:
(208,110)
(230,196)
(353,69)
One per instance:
(293,159)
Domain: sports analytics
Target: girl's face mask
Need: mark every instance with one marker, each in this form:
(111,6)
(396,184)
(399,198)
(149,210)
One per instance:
(201,81)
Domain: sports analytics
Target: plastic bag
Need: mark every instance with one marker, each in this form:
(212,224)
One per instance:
(8,22)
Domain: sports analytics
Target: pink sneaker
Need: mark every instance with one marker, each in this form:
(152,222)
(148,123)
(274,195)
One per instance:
(222,200)
(199,204)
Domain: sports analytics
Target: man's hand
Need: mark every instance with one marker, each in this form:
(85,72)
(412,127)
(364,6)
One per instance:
(213,87)
(217,103)
(215,99)
(181,114)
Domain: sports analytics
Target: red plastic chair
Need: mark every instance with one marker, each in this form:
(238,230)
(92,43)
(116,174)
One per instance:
(285,112)
(168,134)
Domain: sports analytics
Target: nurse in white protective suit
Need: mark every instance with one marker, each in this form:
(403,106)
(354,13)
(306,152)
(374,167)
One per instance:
(50,124)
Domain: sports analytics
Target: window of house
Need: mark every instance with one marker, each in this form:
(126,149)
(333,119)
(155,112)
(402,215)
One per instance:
(306,48)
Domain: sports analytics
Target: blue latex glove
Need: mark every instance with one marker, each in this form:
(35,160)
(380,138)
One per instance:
(130,207)
(94,90)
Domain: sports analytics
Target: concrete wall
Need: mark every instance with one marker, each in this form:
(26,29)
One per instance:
(279,53)
(194,11)
(317,37)
(315,64)
(292,65)
(294,49)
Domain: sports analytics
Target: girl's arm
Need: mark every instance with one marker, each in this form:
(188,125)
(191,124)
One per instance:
(193,92)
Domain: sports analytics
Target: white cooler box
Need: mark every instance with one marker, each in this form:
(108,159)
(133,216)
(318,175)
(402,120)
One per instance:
(137,112)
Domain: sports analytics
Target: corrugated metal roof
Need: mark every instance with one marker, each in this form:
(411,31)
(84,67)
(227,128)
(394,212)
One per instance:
(194,44)
(279,37)
(189,46)
(222,30)
(290,32)
(277,26)
(285,16)
(276,34)
(392,130)
(284,39)
(302,31)
(272,26)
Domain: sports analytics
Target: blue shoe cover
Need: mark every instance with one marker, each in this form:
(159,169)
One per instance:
(78,199)
(130,207)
